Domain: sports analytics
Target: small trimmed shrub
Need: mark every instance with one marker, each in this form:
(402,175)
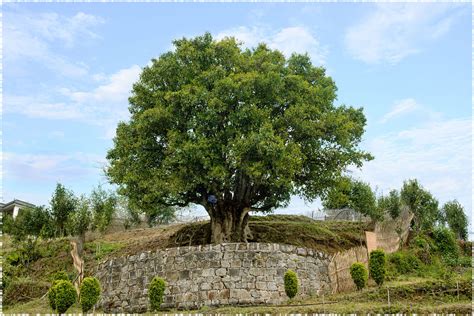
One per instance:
(90,292)
(156,292)
(291,283)
(52,295)
(377,266)
(64,295)
(359,275)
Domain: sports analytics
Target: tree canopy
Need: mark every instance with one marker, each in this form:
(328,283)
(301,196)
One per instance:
(454,215)
(63,203)
(246,126)
(353,194)
(422,203)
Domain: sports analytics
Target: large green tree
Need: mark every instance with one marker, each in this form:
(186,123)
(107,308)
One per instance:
(246,126)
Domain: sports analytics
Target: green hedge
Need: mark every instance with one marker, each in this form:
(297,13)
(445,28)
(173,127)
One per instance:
(90,293)
(377,266)
(359,275)
(291,283)
(156,291)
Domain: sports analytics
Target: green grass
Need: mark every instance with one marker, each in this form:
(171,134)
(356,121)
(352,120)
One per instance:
(428,288)
(37,306)
(99,249)
(407,295)
(287,229)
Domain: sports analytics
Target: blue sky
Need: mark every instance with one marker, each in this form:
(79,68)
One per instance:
(68,69)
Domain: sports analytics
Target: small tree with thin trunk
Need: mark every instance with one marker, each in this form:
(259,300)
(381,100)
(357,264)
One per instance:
(456,218)
(422,204)
(80,221)
(63,203)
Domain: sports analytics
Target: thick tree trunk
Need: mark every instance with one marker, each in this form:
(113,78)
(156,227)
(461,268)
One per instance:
(229,224)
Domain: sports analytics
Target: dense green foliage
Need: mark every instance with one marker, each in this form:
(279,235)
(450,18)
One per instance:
(65,295)
(422,204)
(103,204)
(60,275)
(63,203)
(377,266)
(90,293)
(454,215)
(446,243)
(26,228)
(160,214)
(291,283)
(404,262)
(52,294)
(249,127)
(390,204)
(355,195)
(359,275)
(30,222)
(156,292)
(80,221)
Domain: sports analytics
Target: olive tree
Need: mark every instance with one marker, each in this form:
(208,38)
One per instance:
(234,130)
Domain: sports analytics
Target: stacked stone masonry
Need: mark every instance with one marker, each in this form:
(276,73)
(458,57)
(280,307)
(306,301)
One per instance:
(212,275)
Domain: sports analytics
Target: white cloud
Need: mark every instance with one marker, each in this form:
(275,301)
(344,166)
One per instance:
(117,88)
(438,154)
(40,107)
(51,167)
(295,39)
(400,108)
(30,37)
(394,31)
(104,105)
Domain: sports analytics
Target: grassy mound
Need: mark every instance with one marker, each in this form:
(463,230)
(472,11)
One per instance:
(286,229)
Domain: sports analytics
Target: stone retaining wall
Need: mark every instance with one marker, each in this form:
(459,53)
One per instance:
(387,235)
(236,273)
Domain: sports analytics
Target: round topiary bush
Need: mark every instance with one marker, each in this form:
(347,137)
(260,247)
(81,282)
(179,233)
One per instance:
(377,266)
(90,292)
(52,295)
(64,295)
(359,275)
(156,292)
(291,283)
